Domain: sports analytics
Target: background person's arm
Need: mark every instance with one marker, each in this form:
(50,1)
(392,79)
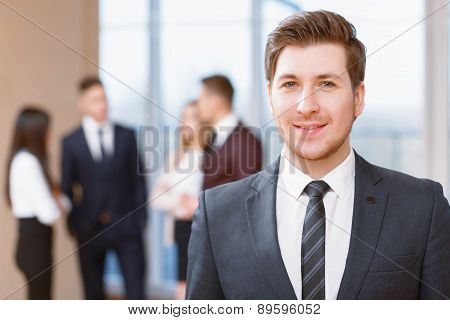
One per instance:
(67,172)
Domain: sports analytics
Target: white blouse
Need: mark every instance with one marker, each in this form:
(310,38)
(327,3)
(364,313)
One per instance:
(185,177)
(29,190)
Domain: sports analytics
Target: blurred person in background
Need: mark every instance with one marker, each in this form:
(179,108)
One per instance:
(177,189)
(100,173)
(35,199)
(234,152)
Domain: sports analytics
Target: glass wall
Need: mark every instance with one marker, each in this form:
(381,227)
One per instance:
(124,58)
(199,38)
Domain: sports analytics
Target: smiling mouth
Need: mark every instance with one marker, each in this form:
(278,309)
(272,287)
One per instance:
(310,128)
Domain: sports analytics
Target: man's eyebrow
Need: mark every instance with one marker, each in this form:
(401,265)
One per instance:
(286,76)
(328,76)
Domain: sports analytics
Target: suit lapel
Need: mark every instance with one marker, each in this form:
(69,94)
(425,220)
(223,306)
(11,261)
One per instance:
(368,213)
(261,215)
(85,146)
(116,146)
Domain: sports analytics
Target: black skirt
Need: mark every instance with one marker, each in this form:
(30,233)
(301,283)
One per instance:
(182,235)
(34,257)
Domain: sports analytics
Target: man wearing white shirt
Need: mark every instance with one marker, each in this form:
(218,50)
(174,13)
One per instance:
(100,173)
(235,151)
(91,129)
(320,222)
(290,212)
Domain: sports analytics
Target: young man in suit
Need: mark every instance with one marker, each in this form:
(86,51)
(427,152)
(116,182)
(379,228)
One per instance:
(321,222)
(234,152)
(100,174)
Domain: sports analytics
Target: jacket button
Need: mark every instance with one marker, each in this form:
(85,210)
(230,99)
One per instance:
(371,200)
(105,217)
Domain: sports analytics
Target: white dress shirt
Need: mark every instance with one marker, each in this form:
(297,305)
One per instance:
(91,132)
(291,203)
(185,177)
(224,127)
(29,190)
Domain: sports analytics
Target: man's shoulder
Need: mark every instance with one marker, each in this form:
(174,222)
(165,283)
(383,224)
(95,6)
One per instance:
(245,130)
(232,191)
(225,205)
(244,137)
(73,135)
(402,183)
(123,130)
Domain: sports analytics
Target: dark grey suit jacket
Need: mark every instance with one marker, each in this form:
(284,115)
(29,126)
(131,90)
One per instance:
(399,249)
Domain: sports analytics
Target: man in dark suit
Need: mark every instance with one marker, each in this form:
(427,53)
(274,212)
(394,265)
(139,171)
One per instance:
(100,174)
(320,222)
(234,152)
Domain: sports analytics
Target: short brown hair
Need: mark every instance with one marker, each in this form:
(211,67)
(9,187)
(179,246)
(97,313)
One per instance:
(309,28)
(88,82)
(220,85)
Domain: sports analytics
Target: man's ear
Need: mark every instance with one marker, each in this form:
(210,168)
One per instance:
(359,99)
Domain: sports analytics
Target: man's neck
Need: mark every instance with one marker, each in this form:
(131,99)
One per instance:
(319,168)
(94,121)
(220,115)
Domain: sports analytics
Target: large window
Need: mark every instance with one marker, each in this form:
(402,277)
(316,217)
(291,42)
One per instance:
(124,58)
(199,38)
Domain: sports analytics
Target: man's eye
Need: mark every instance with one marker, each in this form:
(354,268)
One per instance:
(327,84)
(289,84)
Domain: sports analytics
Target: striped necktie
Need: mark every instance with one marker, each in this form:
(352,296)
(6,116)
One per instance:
(313,243)
(101,132)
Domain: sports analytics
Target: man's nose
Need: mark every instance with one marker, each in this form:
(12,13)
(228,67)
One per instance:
(307,103)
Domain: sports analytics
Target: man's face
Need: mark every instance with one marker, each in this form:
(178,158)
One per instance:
(93,103)
(207,106)
(313,101)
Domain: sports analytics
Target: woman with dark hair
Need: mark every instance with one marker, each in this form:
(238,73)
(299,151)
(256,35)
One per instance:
(35,200)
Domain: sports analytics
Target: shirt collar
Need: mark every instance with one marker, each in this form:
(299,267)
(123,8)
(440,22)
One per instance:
(224,127)
(339,179)
(230,120)
(91,124)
